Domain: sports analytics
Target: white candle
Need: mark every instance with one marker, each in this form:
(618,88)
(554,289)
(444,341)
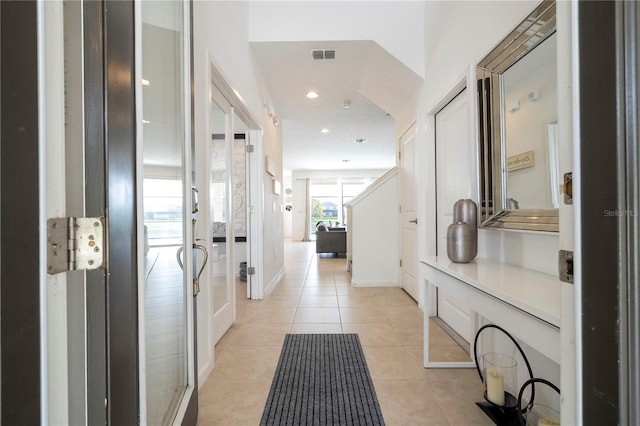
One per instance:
(548,422)
(495,386)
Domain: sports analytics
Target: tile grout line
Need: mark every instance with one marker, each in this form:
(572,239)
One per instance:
(309,259)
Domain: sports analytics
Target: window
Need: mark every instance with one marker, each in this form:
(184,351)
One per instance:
(324,203)
(163,211)
(328,197)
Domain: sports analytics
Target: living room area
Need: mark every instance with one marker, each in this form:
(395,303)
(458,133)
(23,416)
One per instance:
(325,193)
(345,213)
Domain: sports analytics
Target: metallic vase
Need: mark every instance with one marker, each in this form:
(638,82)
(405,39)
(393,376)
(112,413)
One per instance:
(462,242)
(462,235)
(465,211)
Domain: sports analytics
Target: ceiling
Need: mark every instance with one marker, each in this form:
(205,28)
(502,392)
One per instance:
(376,84)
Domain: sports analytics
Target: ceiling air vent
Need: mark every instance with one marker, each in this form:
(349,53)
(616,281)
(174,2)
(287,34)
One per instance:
(318,54)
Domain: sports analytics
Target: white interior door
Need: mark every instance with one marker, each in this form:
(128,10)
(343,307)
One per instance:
(245,210)
(409,214)
(454,175)
(255,205)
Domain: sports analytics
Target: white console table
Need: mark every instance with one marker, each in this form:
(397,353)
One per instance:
(523,302)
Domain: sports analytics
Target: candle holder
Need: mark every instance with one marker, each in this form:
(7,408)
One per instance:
(500,403)
(499,375)
(537,414)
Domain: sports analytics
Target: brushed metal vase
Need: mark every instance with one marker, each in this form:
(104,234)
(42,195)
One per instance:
(462,235)
(465,211)
(462,242)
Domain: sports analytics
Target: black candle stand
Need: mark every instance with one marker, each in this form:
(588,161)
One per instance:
(509,414)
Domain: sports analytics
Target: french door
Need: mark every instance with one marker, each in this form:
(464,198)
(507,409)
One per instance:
(167,212)
(221,201)
(83,88)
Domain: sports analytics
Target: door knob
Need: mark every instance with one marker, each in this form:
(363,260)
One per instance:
(414,221)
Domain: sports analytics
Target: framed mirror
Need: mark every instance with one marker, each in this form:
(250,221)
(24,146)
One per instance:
(517,104)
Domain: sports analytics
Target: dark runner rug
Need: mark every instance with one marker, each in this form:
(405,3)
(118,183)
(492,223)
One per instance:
(322,379)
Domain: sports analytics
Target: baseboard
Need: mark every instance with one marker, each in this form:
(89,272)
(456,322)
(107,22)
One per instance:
(204,374)
(372,283)
(274,282)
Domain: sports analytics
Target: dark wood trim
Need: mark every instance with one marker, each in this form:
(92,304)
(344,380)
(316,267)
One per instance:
(599,219)
(20,215)
(122,288)
(95,205)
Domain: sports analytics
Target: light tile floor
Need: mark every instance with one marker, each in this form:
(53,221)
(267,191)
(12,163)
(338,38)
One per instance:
(315,296)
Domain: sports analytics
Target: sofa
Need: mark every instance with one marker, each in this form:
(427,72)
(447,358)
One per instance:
(331,240)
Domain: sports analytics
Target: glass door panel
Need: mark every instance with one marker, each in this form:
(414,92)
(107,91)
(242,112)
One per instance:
(165,221)
(241,197)
(220,219)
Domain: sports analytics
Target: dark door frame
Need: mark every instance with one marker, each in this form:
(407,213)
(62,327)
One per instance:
(110,183)
(122,278)
(111,137)
(20,243)
(608,182)
(95,205)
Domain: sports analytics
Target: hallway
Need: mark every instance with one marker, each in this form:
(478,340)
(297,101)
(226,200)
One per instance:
(315,296)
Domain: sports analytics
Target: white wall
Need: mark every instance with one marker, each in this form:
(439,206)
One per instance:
(375,236)
(298,185)
(288,199)
(444,71)
(394,25)
(457,36)
(221,30)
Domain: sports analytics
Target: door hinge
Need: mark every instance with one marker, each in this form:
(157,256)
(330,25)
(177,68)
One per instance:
(251,270)
(401,263)
(250,148)
(400,208)
(565,266)
(75,244)
(568,188)
(399,155)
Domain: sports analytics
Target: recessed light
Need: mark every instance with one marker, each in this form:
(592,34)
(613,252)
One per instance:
(360,141)
(345,161)
(145,82)
(145,122)
(312,94)
(347,104)
(325,130)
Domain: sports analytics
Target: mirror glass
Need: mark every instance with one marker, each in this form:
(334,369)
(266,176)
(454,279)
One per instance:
(517,94)
(530,102)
